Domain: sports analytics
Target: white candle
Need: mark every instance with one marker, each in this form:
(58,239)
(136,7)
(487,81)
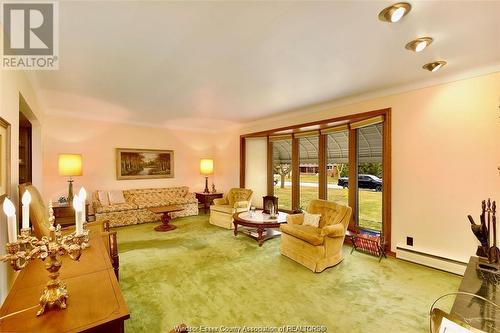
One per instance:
(83,198)
(82,216)
(26,200)
(78,218)
(10,211)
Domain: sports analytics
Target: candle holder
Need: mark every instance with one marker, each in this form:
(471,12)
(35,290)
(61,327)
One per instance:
(86,238)
(27,248)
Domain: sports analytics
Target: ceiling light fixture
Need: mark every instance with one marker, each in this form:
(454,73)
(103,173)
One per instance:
(394,13)
(434,66)
(419,44)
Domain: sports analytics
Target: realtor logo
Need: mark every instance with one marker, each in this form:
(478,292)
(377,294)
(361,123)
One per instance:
(30,35)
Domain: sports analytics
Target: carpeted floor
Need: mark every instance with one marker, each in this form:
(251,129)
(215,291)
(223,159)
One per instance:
(202,275)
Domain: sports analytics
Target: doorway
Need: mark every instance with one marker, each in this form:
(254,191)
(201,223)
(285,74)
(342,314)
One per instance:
(25,148)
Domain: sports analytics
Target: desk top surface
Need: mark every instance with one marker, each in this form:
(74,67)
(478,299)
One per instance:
(95,297)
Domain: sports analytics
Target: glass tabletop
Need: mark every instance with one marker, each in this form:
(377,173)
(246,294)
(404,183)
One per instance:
(260,217)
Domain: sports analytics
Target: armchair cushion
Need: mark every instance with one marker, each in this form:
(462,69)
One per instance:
(223,209)
(307,233)
(220,201)
(240,204)
(226,209)
(295,219)
(336,230)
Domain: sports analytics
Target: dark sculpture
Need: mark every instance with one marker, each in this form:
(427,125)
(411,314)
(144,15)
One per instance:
(485,231)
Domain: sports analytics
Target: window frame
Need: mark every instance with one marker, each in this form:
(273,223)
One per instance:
(352,158)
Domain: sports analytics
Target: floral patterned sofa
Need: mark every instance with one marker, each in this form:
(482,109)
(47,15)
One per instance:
(137,201)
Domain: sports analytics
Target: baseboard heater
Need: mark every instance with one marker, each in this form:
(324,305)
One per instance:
(430,260)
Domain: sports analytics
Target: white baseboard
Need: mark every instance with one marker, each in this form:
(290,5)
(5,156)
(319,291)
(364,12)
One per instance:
(429,260)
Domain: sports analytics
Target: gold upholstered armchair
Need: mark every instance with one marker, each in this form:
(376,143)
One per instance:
(39,213)
(236,200)
(316,247)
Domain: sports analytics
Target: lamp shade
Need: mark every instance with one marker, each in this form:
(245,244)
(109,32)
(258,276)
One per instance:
(70,165)
(206,166)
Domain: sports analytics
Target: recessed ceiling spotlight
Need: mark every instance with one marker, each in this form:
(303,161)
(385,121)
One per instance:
(434,66)
(419,44)
(394,13)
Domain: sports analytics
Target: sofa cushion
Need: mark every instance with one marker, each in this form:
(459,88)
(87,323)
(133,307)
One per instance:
(103,197)
(156,193)
(153,197)
(181,201)
(306,233)
(116,197)
(157,202)
(116,208)
(144,203)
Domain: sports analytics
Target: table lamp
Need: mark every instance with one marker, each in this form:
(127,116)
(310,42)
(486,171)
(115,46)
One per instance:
(70,165)
(206,169)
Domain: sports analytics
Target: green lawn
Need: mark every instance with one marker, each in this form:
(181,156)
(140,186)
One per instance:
(314,179)
(370,202)
(309,179)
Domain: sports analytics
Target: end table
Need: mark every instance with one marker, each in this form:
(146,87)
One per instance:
(206,199)
(65,214)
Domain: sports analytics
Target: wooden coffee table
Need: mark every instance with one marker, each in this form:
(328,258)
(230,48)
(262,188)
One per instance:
(165,218)
(259,226)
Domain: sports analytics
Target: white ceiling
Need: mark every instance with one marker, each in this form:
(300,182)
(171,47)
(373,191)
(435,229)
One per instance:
(216,64)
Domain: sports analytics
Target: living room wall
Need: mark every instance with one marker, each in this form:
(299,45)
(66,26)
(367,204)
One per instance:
(97,140)
(445,154)
(12,85)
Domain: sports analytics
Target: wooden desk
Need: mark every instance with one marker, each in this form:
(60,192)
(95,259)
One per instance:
(95,302)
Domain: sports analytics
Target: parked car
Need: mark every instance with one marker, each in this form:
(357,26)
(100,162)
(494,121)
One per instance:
(364,181)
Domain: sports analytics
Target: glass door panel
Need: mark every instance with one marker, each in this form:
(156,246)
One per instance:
(282,173)
(370,183)
(337,165)
(309,168)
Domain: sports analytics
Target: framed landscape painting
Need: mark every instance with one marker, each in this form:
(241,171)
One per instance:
(144,163)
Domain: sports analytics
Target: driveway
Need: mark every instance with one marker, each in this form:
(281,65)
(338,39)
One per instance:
(305,184)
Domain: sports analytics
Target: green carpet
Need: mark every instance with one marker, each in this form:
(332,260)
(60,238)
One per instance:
(202,275)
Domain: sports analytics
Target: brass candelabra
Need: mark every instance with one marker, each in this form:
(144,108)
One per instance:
(27,248)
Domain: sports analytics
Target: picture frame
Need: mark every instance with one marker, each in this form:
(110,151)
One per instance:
(5,158)
(144,163)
